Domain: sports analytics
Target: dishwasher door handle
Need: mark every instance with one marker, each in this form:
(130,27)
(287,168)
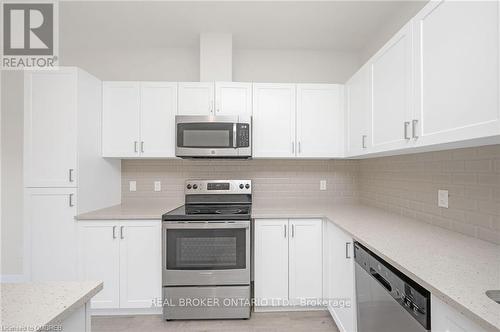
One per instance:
(382,280)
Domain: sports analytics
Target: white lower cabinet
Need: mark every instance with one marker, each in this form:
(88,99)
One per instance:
(444,318)
(52,233)
(126,256)
(339,277)
(288,261)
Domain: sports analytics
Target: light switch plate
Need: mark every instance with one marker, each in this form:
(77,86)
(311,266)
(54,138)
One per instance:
(443,198)
(157,185)
(322,185)
(132,185)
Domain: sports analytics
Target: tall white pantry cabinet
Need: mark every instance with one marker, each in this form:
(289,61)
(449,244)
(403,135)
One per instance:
(64,173)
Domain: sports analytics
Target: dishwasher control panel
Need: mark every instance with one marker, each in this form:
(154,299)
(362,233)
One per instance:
(411,296)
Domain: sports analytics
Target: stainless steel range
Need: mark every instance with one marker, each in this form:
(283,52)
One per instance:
(206,252)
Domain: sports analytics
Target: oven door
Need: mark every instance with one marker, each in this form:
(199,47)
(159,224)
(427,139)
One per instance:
(210,136)
(206,253)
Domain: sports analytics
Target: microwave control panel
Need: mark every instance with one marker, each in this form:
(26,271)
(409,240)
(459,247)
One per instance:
(243,133)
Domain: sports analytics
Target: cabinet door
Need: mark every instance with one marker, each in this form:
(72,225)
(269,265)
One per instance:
(391,75)
(274,120)
(340,271)
(100,260)
(271,261)
(52,230)
(196,98)
(50,129)
(120,127)
(358,108)
(305,256)
(320,121)
(158,110)
(233,98)
(447,319)
(140,263)
(457,70)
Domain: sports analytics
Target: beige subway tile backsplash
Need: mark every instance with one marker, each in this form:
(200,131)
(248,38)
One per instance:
(471,176)
(405,184)
(281,181)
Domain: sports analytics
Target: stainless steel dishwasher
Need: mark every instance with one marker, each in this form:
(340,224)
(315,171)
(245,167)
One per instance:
(387,300)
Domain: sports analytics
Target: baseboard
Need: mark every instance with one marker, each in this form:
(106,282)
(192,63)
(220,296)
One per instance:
(125,312)
(336,319)
(13,278)
(288,308)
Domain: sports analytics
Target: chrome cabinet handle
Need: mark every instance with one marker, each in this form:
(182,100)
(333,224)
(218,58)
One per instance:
(299,147)
(284,233)
(70,175)
(142,146)
(293,147)
(135,146)
(71,203)
(121,233)
(293,230)
(406,130)
(414,129)
(211,106)
(114,232)
(363,141)
(347,250)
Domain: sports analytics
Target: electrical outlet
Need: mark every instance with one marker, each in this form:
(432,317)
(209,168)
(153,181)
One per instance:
(132,185)
(322,185)
(443,198)
(157,185)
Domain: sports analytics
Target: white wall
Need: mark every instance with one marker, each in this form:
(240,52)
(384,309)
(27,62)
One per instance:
(294,66)
(288,66)
(12,173)
(174,64)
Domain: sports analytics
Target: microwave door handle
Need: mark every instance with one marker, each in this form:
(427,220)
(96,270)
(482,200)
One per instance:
(235,144)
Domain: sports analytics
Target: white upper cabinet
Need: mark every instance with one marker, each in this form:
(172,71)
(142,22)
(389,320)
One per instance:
(274,120)
(50,151)
(358,105)
(158,110)
(457,66)
(391,92)
(233,98)
(320,120)
(139,119)
(196,98)
(121,116)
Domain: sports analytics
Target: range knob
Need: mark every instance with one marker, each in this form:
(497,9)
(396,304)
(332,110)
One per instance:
(188,186)
(195,186)
(241,185)
(247,186)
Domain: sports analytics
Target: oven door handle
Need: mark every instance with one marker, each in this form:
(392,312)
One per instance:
(194,225)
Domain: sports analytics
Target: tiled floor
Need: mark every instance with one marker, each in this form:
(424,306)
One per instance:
(313,321)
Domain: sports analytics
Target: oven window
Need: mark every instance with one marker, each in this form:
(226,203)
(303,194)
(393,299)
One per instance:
(206,249)
(205,135)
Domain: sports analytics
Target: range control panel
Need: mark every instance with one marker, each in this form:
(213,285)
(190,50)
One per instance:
(218,187)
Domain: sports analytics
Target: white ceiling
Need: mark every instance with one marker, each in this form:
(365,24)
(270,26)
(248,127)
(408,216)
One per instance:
(336,25)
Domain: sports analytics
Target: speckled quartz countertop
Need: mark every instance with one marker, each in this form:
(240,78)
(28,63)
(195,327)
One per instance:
(137,209)
(35,305)
(456,268)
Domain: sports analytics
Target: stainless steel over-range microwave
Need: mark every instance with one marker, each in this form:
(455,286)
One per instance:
(213,136)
